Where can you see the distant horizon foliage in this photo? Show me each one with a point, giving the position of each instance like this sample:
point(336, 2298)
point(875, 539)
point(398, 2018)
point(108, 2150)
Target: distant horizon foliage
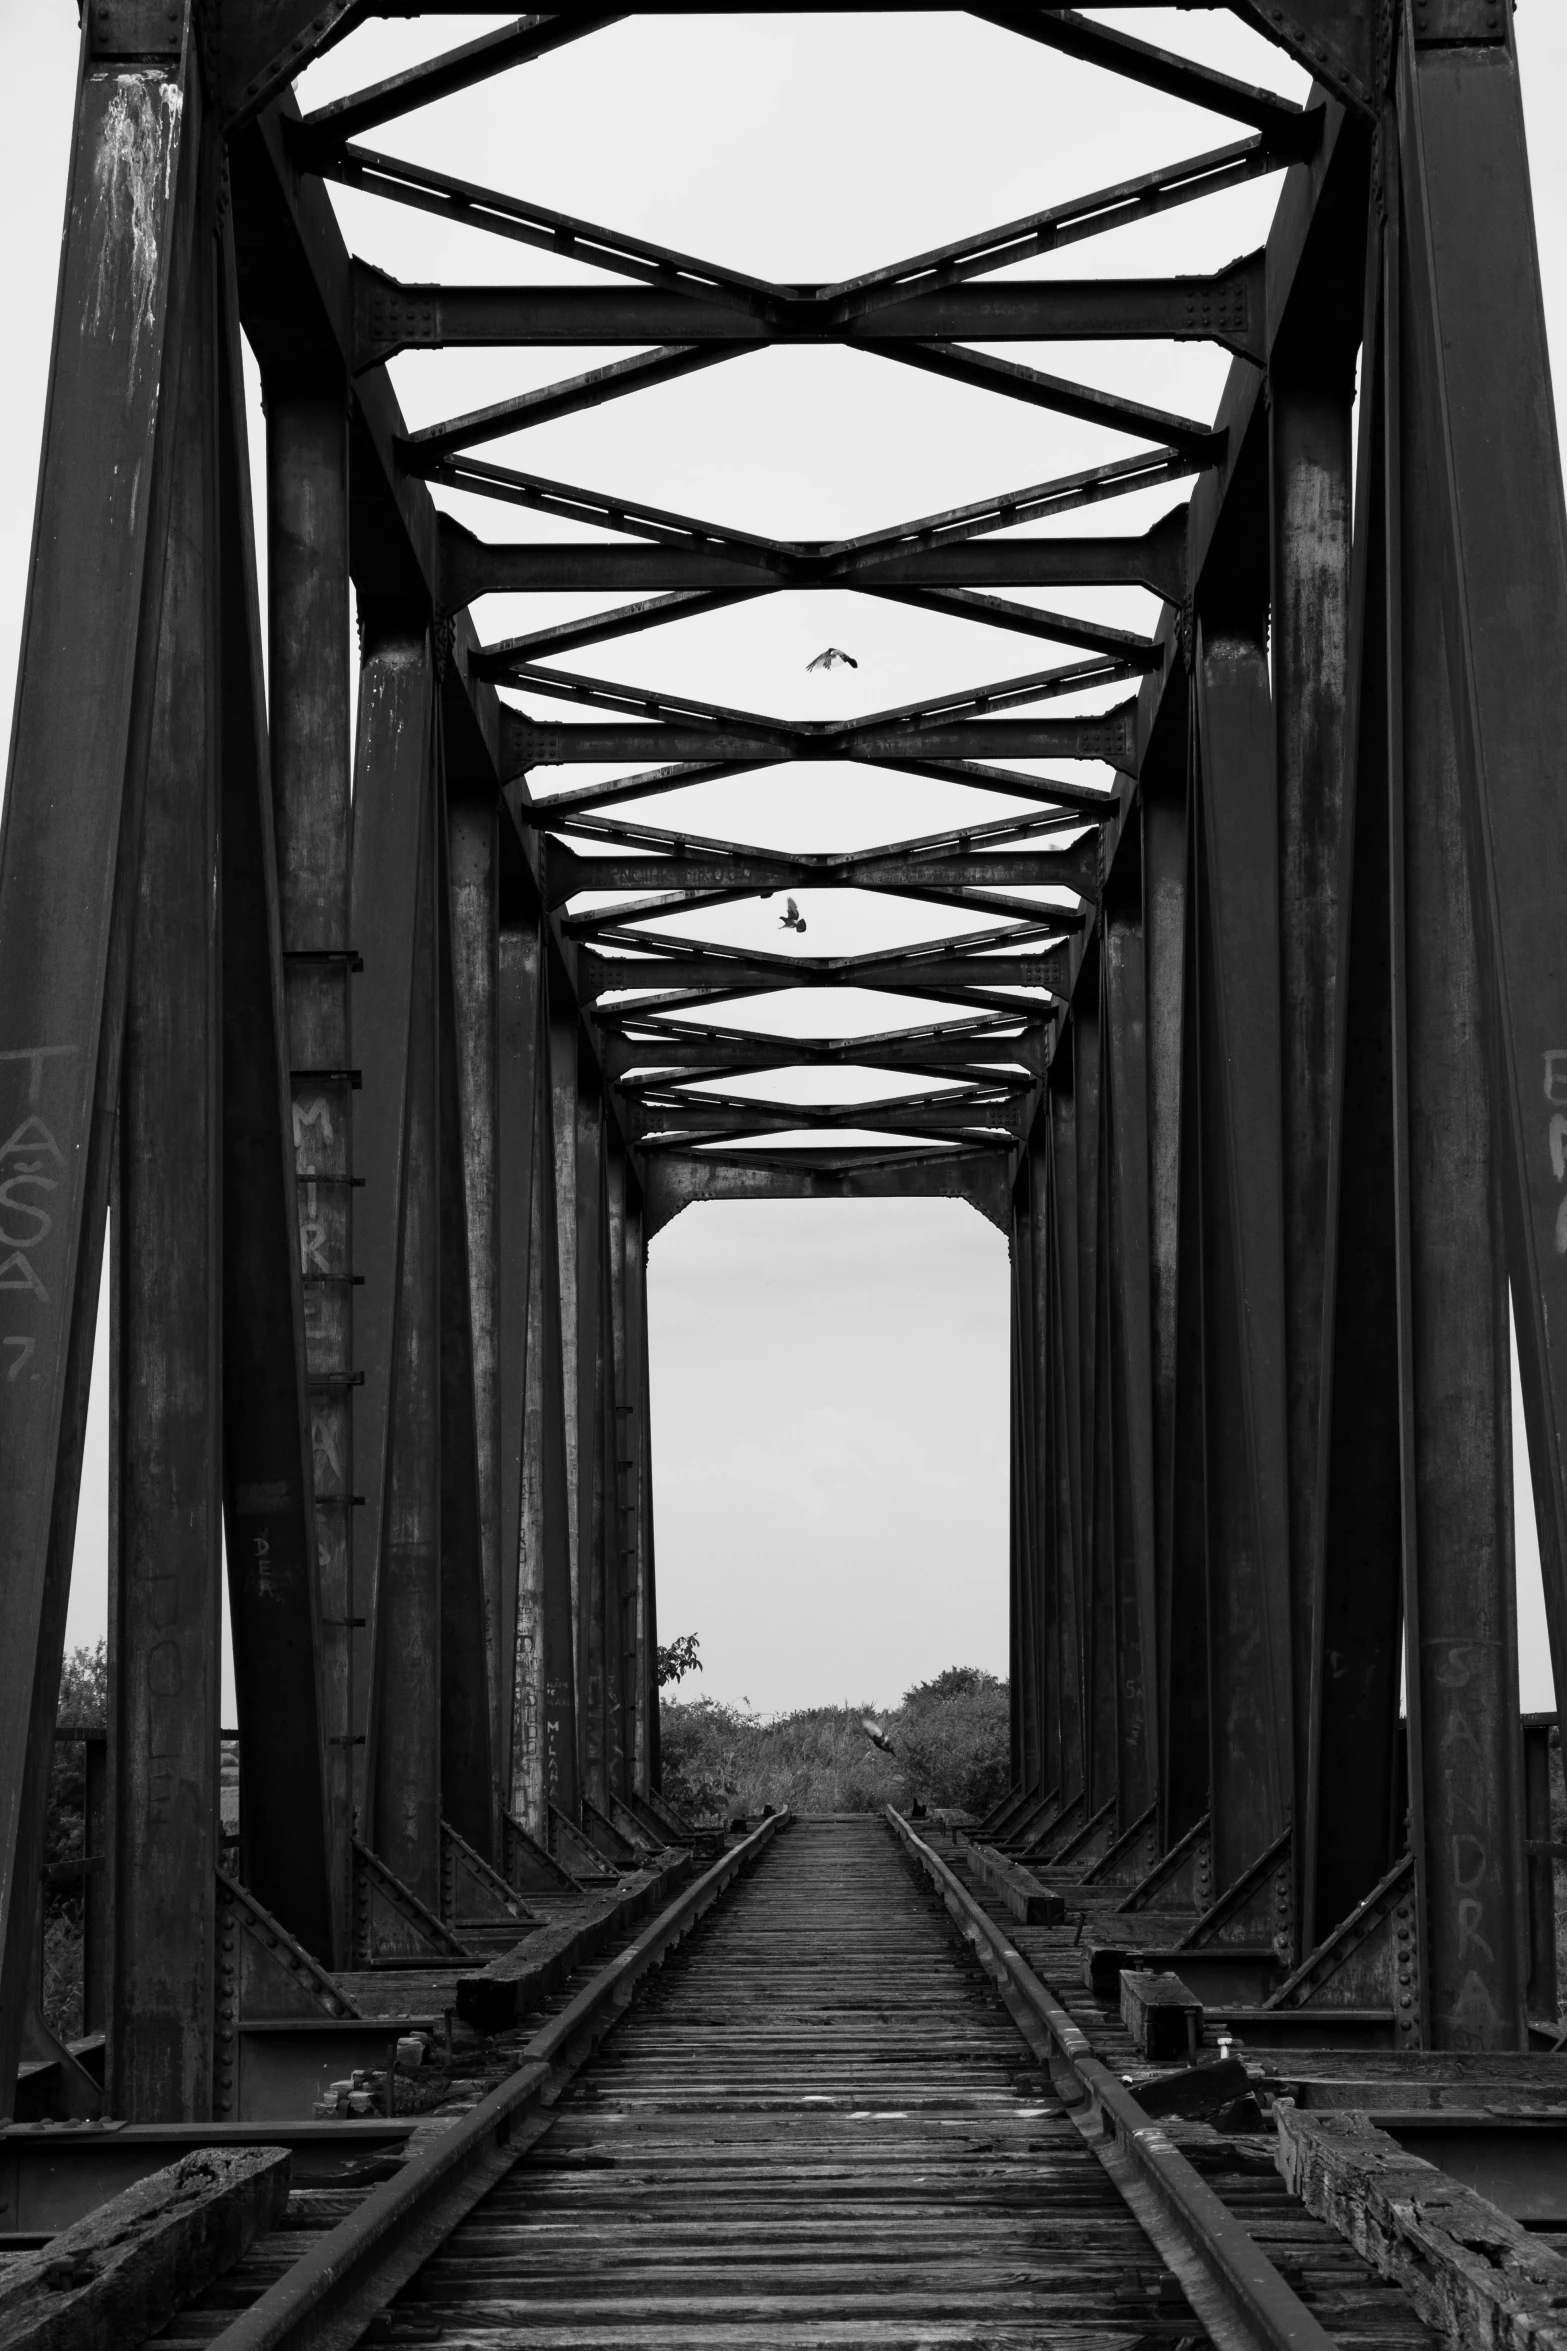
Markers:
point(950, 1739)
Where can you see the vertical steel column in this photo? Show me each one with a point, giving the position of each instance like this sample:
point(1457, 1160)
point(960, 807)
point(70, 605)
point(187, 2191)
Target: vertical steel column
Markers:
point(1188, 1757)
point(473, 849)
point(1024, 1766)
point(519, 1751)
point(563, 1119)
point(605, 1515)
point(1539, 1838)
point(397, 1157)
point(1131, 1332)
point(1478, 340)
point(1018, 1764)
point(1248, 1554)
point(544, 1746)
point(1065, 1274)
point(619, 1430)
point(588, 1407)
point(165, 1564)
point(1309, 419)
point(1180, 1658)
point(1351, 1810)
point(1105, 1707)
point(308, 623)
point(1459, 1597)
point(68, 857)
point(290, 1848)
point(1085, 1099)
point(1046, 1442)
point(95, 1889)
point(469, 1795)
point(405, 1726)
point(648, 1583)
point(643, 1685)
point(1097, 1491)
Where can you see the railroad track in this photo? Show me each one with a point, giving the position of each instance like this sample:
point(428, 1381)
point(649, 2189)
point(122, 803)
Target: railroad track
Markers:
point(820, 2125)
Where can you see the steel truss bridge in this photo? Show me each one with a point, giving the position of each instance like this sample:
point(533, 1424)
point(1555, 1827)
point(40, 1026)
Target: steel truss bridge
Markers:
point(1249, 1030)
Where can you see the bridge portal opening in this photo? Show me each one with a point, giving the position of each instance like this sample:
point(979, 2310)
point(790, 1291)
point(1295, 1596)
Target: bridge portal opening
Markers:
point(829, 1402)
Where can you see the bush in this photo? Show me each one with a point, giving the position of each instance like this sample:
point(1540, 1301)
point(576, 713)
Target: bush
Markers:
point(950, 1741)
point(956, 1733)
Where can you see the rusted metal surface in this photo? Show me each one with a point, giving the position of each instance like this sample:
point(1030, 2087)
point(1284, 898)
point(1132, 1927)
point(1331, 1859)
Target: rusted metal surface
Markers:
point(166, 1554)
point(307, 637)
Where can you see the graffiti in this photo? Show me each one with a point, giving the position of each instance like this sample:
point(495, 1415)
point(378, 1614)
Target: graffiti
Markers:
point(265, 1582)
point(24, 1158)
point(1556, 1134)
point(32, 1168)
point(17, 1274)
point(35, 1056)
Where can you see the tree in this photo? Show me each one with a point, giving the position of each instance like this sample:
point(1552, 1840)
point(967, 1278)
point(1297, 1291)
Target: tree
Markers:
point(677, 1659)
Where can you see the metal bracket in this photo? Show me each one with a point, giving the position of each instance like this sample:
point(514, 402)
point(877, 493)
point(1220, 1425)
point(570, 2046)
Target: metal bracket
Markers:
point(135, 28)
point(1438, 22)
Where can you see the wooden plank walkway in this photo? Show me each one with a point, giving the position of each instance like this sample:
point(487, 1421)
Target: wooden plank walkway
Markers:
point(820, 2127)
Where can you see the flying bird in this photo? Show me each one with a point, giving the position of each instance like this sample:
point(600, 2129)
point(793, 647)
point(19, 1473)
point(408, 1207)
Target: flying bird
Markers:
point(831, 659)
point(791, 918)
point(876, 1735)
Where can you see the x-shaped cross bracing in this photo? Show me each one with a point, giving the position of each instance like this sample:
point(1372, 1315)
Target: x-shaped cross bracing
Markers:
point(619, 884)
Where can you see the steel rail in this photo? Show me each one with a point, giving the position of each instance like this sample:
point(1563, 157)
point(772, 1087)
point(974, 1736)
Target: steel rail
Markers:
point(327, 2300)
point(1256, 2295)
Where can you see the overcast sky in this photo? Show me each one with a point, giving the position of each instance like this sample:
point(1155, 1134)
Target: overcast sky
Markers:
point(830, 1381)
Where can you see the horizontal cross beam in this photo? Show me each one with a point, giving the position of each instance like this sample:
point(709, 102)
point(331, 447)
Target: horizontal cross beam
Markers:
point(672, 708)
point(1062, 800)
point(322, 145)
point(526, 743)
point(610, 922)
point(640, 518)
point(925, 1116)
point(999, 1082)
point(1075, 869)
point(473, 567)
point(681, 1179)
point(609, 975)
point(659, 840)
point(962, 1053)
point(1226, 308)
point(628, 1027)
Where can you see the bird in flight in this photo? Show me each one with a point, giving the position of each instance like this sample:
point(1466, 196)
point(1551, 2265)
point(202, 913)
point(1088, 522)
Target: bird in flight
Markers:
point(876, 1735)
point(831, 660)
point(791, 918)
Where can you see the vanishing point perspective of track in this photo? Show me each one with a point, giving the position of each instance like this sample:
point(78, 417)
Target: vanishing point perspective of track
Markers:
point(820, 2122)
